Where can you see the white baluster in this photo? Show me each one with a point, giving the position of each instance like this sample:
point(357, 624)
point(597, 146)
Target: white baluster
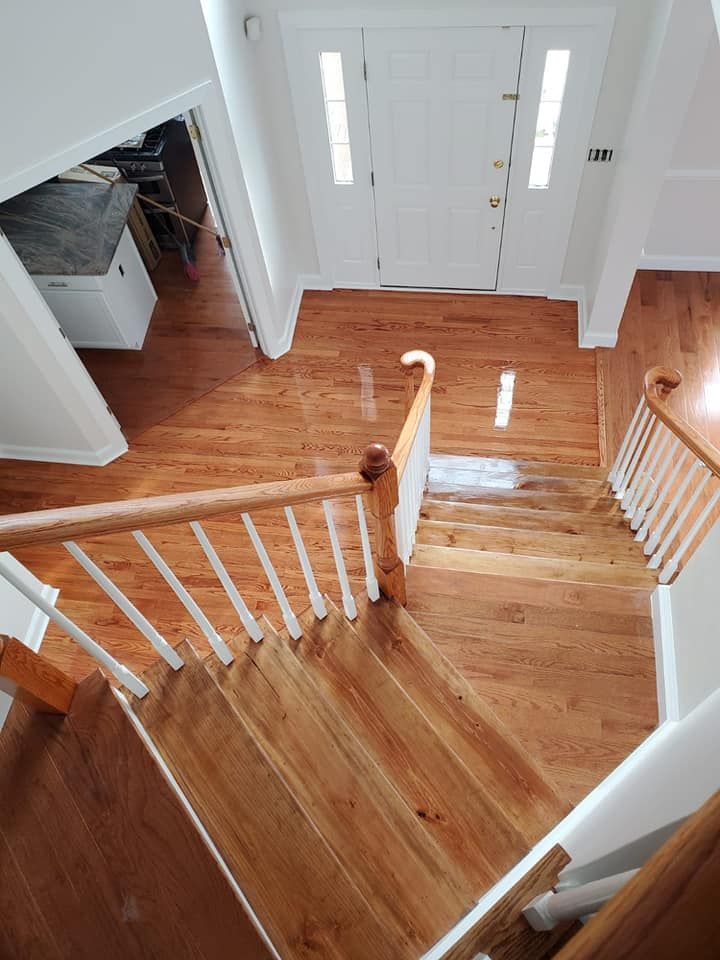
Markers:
point(663, 491)
point(218, 645)
point(671, 566)
point(373, 590)
point(241, 608)
point(638, 476)
point(626, 442)
point(657, 532)
point(289, 618)
point(347, 597)
point(657, 557)
point(121, 673)
point(129, 609)
point(645, 491)
point(630, 470)
point(316, 599)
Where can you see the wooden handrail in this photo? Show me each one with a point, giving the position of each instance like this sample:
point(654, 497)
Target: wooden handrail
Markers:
point(659, 384)
point(670, 908)
point(29, 677)
point(71, 523)
point(410, 360)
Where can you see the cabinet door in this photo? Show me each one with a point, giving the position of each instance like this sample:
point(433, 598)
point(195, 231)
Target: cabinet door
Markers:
point(129, 292)
point(85, 317)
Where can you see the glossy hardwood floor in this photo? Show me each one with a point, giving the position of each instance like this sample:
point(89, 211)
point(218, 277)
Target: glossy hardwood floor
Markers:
point(197, 339)
point(671, 319)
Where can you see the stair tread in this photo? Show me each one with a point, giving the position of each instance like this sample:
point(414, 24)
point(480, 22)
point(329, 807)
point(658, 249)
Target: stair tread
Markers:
point(448, 799)
point(595, 504)
point(508, 564)
point(380, 843)
point(517, 480)
point(545, 468)
point(294, 883)
point(620, 549)
point(461, 717)
point(522, 517)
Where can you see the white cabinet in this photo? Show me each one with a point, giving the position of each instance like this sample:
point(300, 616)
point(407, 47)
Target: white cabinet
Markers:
point(111, 311)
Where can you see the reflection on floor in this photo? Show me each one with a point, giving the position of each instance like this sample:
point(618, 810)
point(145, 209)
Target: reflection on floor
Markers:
point(671, 319)
point(197, 339)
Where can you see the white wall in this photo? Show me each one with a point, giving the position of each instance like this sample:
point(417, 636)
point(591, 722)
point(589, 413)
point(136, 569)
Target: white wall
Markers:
point(684, 231)
point(671, 778)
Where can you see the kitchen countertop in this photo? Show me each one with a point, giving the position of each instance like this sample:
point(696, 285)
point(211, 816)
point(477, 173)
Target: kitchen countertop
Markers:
point(67, 229)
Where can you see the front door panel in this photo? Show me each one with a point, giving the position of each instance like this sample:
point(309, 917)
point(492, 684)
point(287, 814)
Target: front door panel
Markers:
point(441, 136)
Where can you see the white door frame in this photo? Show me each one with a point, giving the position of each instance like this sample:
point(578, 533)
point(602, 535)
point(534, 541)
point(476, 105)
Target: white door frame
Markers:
point(599, 19)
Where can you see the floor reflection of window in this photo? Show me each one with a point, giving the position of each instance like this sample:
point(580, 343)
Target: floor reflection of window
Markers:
point(504, 399)
point(367, 392)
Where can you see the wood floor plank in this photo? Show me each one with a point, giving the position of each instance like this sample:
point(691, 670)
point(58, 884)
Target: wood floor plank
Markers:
point(503, 564)
point(181, 902)
point(464, 721)
point(24, 932)
point(260, 829)
point(436, 785)
point(397, 866)
point(609, 550)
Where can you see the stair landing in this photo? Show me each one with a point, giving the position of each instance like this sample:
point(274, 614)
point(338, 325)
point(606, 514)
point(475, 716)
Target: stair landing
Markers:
point(526, 577)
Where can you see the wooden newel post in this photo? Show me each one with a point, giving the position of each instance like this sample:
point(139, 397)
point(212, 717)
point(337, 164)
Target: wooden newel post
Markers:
point(377, 466)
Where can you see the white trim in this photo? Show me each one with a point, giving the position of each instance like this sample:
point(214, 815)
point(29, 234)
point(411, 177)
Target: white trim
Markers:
point(85, 458)
point(314, 281)
point(668, 261)
point(692, 174)
point(448, 17)
point(285, 340)
point(587, 341)
point(665, 660)
point(195, 819)
point(557, 835)
point(39, 621)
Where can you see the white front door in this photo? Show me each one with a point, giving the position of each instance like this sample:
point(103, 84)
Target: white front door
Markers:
point(441, 110)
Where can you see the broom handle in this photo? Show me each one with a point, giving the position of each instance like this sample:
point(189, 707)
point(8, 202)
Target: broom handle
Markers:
point(154, 203)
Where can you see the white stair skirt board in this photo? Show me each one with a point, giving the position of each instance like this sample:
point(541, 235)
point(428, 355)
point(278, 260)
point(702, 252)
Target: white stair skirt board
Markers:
point(665, 663)
point(197, 822)
point(557, 835)
point(21, 619)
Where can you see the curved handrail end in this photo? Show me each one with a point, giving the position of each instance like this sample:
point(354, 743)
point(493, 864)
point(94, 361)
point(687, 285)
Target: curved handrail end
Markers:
point(419, 358)
point(659, 382)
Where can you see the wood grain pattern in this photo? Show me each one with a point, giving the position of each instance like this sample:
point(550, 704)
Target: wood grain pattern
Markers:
point(668, 909)
point(447, 798)
point(101, 849)
point(379, 842)
point(29, 677)
point(197, 339)
point(262, 832)
point(503, 933)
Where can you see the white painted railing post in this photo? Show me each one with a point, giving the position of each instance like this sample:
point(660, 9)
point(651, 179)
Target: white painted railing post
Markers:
point(347, 597)
point(373, 590)
point(316, 599)
point(289, 618)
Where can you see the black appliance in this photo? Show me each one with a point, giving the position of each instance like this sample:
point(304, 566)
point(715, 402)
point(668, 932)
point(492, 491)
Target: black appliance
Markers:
point(163, 165)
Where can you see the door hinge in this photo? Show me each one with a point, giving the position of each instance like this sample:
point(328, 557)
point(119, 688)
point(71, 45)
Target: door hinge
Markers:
point(251, 326)
point(511, 96)
point(365, 69)
point(378, 262)
point(194, 131)
point(372, 178)
point(226, 242)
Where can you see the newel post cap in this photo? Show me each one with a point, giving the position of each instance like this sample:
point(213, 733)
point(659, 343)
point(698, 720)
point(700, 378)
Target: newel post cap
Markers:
point(376, 461)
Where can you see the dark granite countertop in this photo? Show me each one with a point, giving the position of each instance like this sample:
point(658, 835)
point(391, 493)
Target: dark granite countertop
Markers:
point(69, 229)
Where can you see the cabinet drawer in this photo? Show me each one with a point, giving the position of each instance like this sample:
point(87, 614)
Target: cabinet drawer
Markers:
point(47, 282)
point(85, 317)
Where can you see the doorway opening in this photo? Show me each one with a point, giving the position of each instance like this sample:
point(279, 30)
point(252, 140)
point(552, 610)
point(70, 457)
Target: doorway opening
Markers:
point(130, 253)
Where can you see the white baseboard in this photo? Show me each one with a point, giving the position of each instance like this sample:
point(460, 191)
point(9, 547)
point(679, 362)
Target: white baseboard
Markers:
point(652, 261)
point(587, 339)
point(315, 281)
point(558, 835)
point(665, 662)
point(83, 458)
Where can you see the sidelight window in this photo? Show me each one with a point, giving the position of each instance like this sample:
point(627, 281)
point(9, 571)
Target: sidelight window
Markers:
point(548, 118)
point(331, 71)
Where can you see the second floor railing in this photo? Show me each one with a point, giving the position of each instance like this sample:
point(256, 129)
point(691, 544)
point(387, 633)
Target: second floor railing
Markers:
point(665, 476)
point(389, 487)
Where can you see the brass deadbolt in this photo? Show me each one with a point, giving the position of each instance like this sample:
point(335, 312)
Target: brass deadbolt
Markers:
point(499, 164)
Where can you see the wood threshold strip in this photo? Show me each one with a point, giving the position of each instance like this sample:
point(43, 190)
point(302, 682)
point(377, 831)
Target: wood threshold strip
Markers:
point(404, 445)
point(29, 677)
point(71, 523)
point(659, 384)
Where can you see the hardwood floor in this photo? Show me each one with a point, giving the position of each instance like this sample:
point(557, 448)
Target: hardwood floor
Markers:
point(671, 319)
point(197, 339)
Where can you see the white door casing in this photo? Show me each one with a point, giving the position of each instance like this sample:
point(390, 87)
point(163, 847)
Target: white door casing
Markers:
point(442, 109)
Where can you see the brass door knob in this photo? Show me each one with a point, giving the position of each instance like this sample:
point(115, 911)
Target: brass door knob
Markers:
point(498, 164)
point(495, 201)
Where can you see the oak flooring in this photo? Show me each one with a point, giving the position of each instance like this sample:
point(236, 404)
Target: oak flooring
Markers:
point(196, 340)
